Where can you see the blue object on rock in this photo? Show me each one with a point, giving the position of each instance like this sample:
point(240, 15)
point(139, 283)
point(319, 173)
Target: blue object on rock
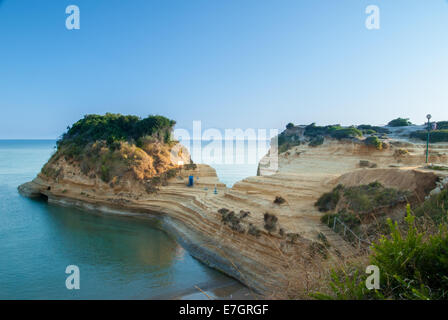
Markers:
point(190, 181)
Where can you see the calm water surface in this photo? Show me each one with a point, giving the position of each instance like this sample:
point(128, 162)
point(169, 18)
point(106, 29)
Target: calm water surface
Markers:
point(119, 257)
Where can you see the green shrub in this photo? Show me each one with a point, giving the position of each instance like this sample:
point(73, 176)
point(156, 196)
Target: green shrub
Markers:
point(434, 136)
point(400, 122)
point(335, 131)
point(348, 219)
point(328, 201)
point(105, 173)
point(288, 145)
point(374, 142)
point(368, 129)
point(367, 198)
point(316, 141)
point(113, 128)
point(290, 125)
point(313, 131)
point(345, 133)
point(438, 168)
point(286, 142)
point(412, 264)
point(436, 207)
point(442, 125)
point(361, 199)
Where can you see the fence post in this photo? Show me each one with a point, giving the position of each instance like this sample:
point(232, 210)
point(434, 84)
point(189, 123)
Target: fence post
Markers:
point(334, 223)
point(345, 229)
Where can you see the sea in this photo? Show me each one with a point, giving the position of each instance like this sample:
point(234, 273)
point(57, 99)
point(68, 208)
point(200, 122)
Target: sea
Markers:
point(117, 257)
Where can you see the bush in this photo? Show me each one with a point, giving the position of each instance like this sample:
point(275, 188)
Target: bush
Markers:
point(288, 145)
point(413, 265)
point(436, 207)
point(190, 166)
point(270, 222)
point(113, 128)
point(434, 136)
point(398, 153)
point(244, 214)
point(367, 164)
point(349, 219)
point(361, 199)
point(367, 128)
point(442, 125)
point(316, 141)
point(374, 142)
point(279, 200)
point(328, 201)
point(105, 173)
point(367, 198)
point(286, 142)
point(335, 131)
point(399, 122)
point(290, 125)
point(346, 133)
point(313, 131)
point(232, 220)
point(254, 231)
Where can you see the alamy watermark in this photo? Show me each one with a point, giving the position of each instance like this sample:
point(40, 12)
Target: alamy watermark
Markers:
point(373, 18)
point(373, 281)
point(73, 21)
point(229, 146)
point(73, 281)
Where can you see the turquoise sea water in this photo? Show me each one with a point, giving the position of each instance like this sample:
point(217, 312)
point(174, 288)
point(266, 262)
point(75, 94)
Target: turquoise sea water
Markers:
point(118, 257)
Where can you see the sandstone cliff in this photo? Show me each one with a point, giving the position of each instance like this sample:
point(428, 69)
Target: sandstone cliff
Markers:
point(281, 262)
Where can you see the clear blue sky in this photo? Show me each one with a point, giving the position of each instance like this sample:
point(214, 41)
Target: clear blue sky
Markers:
point(229, 63)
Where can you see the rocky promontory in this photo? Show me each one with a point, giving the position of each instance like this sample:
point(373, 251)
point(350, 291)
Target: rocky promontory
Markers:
point(266, 231)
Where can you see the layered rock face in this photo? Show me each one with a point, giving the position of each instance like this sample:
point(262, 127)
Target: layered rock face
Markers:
point(229, 229)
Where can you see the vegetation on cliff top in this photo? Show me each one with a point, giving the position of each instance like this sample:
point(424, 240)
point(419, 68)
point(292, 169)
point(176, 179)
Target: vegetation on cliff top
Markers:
point(314, 135)
point(334, 131)
point(111, 146)
point(114, 128)
point(358, 206)
point(434, 135)
point(400, 122)
point(361, 199)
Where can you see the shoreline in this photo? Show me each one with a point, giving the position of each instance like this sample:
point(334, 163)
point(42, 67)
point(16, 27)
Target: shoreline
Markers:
point(212, 290)
point(231, 289)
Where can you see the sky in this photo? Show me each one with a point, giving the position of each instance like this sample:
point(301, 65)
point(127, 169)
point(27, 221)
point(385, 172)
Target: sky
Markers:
point(228, 63)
